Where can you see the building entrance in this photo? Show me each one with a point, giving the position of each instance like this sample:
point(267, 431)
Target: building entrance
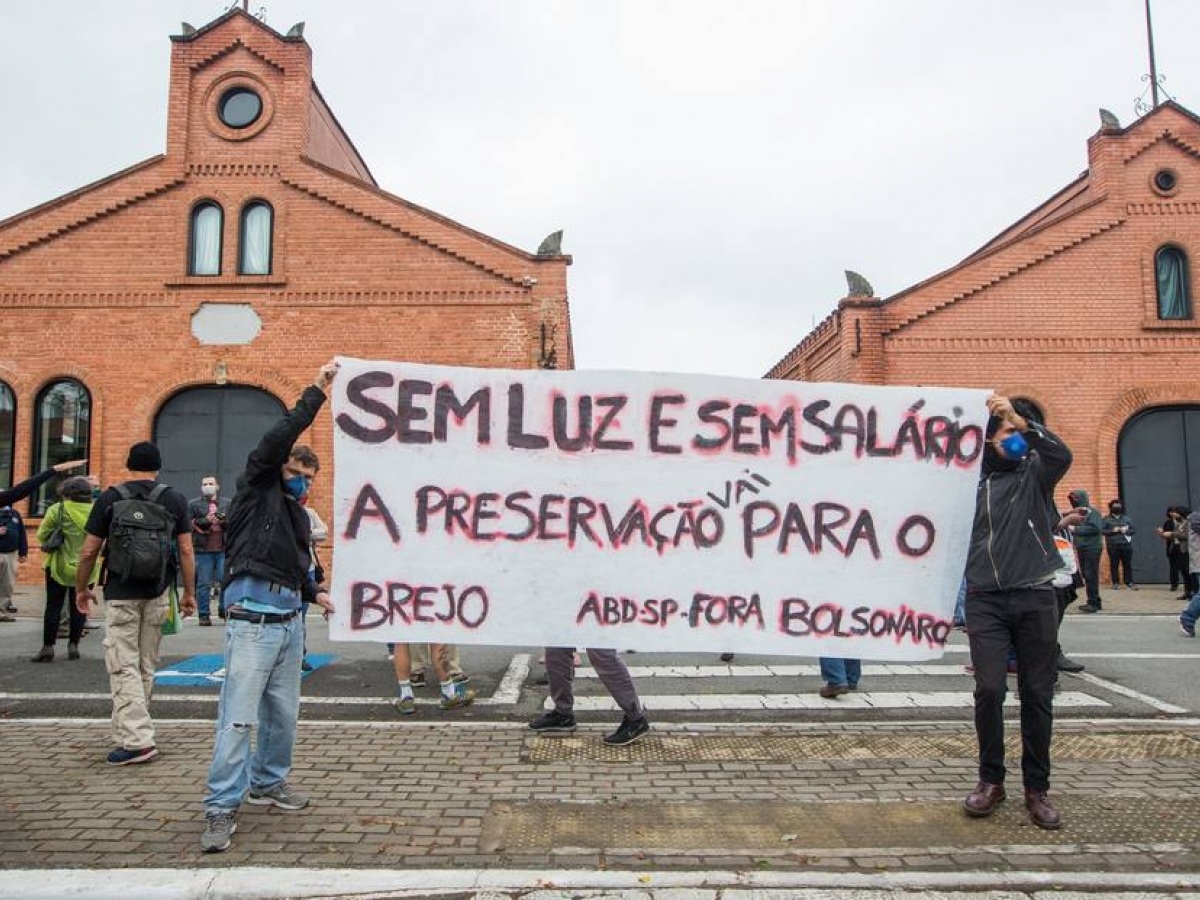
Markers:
point(1158, 453)
point(210, 430)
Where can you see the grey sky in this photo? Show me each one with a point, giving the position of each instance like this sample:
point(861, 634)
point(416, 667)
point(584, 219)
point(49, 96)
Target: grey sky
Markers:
point(715, 165)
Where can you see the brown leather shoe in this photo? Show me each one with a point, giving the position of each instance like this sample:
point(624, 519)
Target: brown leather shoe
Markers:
point(984, 799)
point(829, 691)
point(1041, 811)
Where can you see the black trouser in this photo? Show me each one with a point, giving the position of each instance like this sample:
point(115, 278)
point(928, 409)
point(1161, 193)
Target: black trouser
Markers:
point(1089, 568)
point(1063, 597)
point(1120, 556)
point(1178, 564)
point(1027, 621)
point(56, 595)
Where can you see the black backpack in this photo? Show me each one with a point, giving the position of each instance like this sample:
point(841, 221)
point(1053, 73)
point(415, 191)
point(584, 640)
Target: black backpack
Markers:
point(141, 538)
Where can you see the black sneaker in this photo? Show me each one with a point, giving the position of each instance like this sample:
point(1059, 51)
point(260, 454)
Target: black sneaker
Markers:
point(554, 722)
point(1066, 664)
point(726, 657)
point(417, 679)
point(628, 731)
point(123, 757)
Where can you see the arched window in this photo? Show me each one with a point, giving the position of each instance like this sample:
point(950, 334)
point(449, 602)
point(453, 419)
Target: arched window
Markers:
point(1172, 279)
point(254, 247)
point(8, 425)
point(62, 420)
point(204, 239)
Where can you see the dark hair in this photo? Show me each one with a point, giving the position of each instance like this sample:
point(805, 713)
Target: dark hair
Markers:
point(209, 475)
point(303, 454)
point(77, 487)
point(1029, 411)
point(1117, 502)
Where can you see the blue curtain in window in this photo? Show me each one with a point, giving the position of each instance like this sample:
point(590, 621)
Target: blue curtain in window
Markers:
point(1171, 275)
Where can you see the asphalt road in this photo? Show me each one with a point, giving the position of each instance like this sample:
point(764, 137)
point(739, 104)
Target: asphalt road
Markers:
point(1145, 667)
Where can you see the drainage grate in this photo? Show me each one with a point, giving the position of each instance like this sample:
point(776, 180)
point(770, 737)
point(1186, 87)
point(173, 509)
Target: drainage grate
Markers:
point(733, 826)
point(666, 748)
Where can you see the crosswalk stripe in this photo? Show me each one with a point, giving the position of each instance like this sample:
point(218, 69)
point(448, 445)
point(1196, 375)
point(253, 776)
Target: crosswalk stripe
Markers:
point(787, 671)
point(853, 700)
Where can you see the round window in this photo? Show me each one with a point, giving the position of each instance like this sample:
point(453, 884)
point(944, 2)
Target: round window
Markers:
point(239, 107)
point(1165, 181)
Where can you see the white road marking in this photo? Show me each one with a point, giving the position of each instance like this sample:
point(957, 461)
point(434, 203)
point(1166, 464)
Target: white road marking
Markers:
point(786, 671)
point(507, 693)
point(853, 700)
point(1161, 705)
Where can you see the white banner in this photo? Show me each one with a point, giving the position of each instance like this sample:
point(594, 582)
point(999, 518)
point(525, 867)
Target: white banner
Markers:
point(649, 511)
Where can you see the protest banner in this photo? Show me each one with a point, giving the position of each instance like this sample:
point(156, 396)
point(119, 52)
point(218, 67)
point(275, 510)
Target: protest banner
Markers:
point(650, 511)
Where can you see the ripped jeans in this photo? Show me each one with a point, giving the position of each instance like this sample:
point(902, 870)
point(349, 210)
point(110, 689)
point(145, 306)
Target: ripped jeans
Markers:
point(261, 694)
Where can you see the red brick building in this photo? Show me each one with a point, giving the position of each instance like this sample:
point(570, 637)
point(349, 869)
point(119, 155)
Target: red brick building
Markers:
point(1086, 306)
point(190, 296)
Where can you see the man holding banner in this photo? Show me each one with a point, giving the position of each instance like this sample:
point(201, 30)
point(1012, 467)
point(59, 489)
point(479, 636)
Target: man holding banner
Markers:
point(1011, 603)
point(266, 582)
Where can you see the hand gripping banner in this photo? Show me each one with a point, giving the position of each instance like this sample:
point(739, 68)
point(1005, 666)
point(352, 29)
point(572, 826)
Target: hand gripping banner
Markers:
point(650, 511)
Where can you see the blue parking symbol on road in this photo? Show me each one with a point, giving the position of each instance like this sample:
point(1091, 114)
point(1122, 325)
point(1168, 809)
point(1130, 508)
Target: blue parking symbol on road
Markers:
point(208, 670)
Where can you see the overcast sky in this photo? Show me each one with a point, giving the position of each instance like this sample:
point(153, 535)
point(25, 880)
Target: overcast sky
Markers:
point(715, 165)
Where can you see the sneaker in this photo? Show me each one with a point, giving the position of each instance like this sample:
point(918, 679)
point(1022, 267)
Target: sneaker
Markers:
point(460, 678)
point(726, 657)
point(206, 621)
point(305, 665)
point(1066, 664)
point(461, 697)
point(406, 706)
point(1132, 587)
point(218, 831)
point(1188, 630)
point(9, 608)
point(1088, 608)
point(554, 722)
point(280, 795)
point(628, 731)
point(417, 679)
point(829, 691)
point(123, 757)
point(4, 617)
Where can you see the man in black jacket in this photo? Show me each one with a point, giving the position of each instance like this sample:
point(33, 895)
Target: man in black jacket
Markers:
point(1011, 603)
point(266, 582)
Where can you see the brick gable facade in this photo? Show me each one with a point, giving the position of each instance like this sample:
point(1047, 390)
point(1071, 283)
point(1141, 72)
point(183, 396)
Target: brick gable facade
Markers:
point(95, 286)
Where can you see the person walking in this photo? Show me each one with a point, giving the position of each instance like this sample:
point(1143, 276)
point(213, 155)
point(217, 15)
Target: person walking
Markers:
point(613, 674)
point(1118, 543)
point(267, 578)
point(61, 535)
point(14, 548)
point(1189, 530)
point(143, 527)
point(1088, 543)
point(1011, 564)
point(208, 513)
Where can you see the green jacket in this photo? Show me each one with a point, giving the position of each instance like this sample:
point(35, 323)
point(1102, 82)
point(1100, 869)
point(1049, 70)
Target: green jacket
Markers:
point(64, 562)
point(1087, 534)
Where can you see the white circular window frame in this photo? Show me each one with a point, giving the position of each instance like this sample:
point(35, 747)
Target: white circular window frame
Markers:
point(212, 102)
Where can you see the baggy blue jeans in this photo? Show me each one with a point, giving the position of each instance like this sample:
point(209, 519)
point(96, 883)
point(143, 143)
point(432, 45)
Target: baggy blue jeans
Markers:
point(840, 671)
point(261, 691)
point(210, 569)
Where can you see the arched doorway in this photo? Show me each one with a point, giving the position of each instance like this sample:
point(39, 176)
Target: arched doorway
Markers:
point(211, 430)
point(1158, 455)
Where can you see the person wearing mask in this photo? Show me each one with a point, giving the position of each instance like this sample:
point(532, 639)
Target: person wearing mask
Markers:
point(1177, 556)
point(1118, 543)
point(1189, 530)
point(68, 519)
point(14, 548)
point(1011, 565)
point(142, 525)
point(1088, 543)
point(267, 578)
point(208, 513)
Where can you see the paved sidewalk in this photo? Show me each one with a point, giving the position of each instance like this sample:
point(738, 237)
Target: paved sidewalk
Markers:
point(850, 799)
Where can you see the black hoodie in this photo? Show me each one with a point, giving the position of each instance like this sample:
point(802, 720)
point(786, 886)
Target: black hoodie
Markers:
point(1012, 541)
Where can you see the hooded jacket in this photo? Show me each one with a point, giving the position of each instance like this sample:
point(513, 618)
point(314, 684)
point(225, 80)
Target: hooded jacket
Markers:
point(267, 533)
point(1012, 540)
point(1087, 533)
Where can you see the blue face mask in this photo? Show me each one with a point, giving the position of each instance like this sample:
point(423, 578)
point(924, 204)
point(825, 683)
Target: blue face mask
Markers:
point(297, 486)
point(1015, 446)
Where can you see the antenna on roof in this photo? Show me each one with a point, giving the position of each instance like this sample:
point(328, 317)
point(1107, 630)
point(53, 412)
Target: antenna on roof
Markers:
point(1140, 106)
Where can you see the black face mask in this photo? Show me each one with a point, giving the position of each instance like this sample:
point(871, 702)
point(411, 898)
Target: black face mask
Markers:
point(993, 461)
